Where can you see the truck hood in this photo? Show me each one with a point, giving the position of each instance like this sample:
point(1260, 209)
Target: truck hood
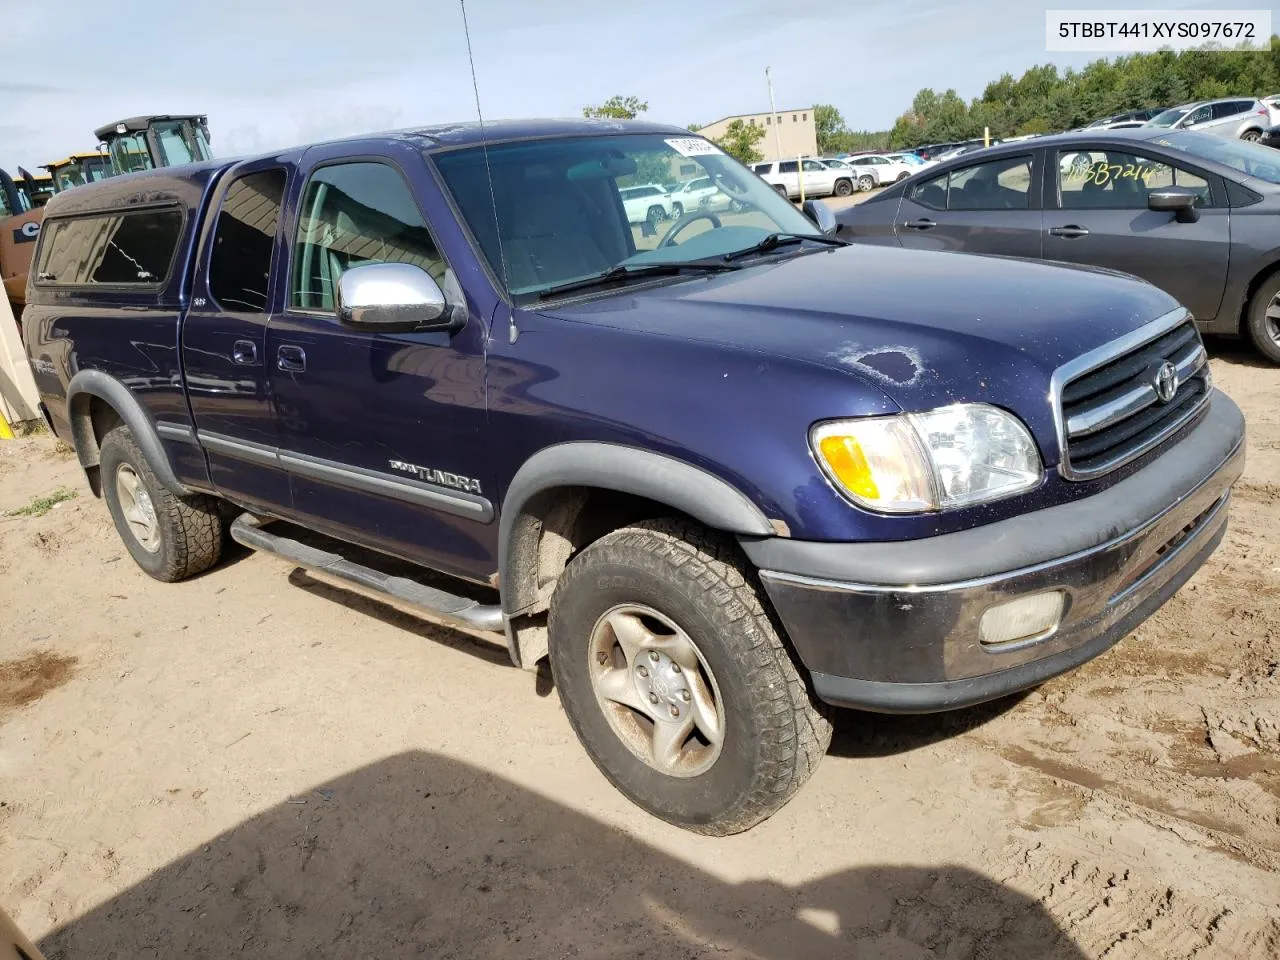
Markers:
point(925, 328)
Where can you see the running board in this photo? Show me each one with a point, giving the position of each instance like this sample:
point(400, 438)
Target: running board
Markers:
point(400, 592)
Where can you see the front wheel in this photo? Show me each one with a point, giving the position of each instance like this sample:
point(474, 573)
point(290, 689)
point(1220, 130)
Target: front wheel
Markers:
point(676, 682)
point(843, 188)
point(677, 210)
point(1263, 318)
point(902, 176)
point(655, 216)
point(170, 537)
point(866, 182)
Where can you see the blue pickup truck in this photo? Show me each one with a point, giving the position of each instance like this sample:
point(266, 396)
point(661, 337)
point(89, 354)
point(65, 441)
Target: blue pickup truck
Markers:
point(722, 473)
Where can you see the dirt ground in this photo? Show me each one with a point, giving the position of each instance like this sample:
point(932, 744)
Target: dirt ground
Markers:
point(254, 763)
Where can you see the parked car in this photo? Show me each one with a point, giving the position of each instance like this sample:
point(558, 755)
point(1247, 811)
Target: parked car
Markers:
point(887, 170)
point(1194, 214)
point(700, 193)
point(911, 160)
point(864, 177)
point(1271, 137)
point(1235, 118)
point(714, 481)
point(1128, 116)
point(819, 179)
point(1272, 103)
point(650, 203)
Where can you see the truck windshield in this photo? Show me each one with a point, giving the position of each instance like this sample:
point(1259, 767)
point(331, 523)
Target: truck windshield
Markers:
point(567, 209)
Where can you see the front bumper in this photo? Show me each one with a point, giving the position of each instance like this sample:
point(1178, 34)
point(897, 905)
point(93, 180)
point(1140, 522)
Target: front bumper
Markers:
point(893, 627)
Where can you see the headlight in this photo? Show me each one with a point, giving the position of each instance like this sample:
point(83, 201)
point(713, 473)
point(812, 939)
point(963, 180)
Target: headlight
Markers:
point(911, 463)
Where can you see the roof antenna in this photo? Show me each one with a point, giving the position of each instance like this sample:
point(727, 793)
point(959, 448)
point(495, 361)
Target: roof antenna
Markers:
point(513, 333)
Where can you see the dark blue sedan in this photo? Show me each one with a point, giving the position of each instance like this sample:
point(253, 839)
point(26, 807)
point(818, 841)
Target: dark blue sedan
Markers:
point(1193, 214)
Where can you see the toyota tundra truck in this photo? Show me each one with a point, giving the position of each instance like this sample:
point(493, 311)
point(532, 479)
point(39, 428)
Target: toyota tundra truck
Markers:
point(721, 476)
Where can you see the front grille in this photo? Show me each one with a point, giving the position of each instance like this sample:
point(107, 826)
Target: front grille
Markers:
point(1113, 412)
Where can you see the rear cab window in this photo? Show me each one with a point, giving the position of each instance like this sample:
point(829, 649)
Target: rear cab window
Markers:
point(133, 248)
point(244, 241)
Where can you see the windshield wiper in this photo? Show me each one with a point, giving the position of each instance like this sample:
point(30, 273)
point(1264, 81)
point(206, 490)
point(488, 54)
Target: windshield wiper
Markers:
point(775, 240)
point(623, 272)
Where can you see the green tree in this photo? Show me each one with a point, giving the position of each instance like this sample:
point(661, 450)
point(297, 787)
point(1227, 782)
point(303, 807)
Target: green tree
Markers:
point(617, 108)
point(831, 128)
point(740, 139)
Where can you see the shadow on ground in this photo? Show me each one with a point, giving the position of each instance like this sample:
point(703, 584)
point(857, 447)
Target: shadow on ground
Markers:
point(422, 856)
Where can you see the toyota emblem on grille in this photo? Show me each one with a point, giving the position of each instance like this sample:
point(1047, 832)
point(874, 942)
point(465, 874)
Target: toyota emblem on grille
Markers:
point(1166, 382)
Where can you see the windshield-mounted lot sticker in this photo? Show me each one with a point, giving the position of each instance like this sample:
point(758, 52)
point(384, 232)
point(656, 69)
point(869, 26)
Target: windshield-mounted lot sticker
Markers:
point(693, 147)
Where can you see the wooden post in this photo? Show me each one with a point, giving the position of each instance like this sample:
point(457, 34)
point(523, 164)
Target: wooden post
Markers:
point(19, 401)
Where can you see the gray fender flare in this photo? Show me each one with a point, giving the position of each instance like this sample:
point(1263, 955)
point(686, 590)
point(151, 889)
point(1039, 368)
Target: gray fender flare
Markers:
point(95, 383)
point(609, 466)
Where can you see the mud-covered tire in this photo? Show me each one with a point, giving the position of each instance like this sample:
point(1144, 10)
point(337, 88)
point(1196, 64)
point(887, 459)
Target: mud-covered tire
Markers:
point(1264, 331)
point(774, 731)
point(189, 530)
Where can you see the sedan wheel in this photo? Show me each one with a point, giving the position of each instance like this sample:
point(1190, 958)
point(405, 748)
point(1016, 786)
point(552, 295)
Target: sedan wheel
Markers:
point(1263, 318)
point(1251, 136)
point(866, 182)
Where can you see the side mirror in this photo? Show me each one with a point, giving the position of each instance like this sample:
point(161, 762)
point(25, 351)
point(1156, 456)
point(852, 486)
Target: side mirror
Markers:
point(1177, 200)
point(821, 214)
point(393, 297)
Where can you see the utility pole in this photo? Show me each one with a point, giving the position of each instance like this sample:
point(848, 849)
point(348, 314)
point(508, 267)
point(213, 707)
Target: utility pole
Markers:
point(777, 137)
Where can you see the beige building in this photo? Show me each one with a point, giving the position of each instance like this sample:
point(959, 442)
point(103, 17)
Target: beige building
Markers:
point(787, 133)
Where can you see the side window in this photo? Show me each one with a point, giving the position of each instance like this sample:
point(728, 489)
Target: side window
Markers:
point(813, 165)
point(129, 153)
point(352, 214)
point(1200, 115)
point(762, 167)
point(240, 265)
point(931, 193)
point(1003, 184)
point(119, 248)
point(1095, 179)
point(788, 166)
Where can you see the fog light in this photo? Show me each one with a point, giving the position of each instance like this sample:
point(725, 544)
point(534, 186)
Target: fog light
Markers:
point(1023, 618)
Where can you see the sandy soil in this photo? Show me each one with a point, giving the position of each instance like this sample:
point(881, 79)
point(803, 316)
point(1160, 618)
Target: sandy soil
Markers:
point(254, 763)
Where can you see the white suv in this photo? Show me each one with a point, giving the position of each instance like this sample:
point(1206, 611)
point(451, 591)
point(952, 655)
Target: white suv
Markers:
point(650, 203)
point(819, 179)
point(887, 169)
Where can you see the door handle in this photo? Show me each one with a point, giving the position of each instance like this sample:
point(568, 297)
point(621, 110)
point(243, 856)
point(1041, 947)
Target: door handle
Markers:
point(924, 223)
point(1069, 232)
point(244, 352)
point(291, 359)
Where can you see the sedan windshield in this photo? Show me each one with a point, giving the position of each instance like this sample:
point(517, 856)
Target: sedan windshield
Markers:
point(1251, 159)
point(547, 213)
point(1168, 118)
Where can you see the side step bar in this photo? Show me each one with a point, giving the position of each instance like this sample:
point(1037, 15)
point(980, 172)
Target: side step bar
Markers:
point(399, 592)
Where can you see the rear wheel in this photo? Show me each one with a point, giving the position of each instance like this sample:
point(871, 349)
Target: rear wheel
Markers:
point(1252, 136)
point(1263, 318)
point(676, 681)
point(656, 216)
point(169, 537)
point(844, 188)
point(780, 188)
point(677, 210)
point(866, 182)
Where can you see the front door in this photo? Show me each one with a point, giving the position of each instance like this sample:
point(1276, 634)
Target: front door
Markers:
point(985, 207)
point(383, 434)
point(1099, 216)
point(224, 338)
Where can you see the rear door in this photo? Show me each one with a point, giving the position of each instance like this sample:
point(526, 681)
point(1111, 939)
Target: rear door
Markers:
point(788, 176)
point(987, 207)
point(234, 298)
point(1098, 215)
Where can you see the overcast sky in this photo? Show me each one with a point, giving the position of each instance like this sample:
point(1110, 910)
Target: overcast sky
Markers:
point(272, 73)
